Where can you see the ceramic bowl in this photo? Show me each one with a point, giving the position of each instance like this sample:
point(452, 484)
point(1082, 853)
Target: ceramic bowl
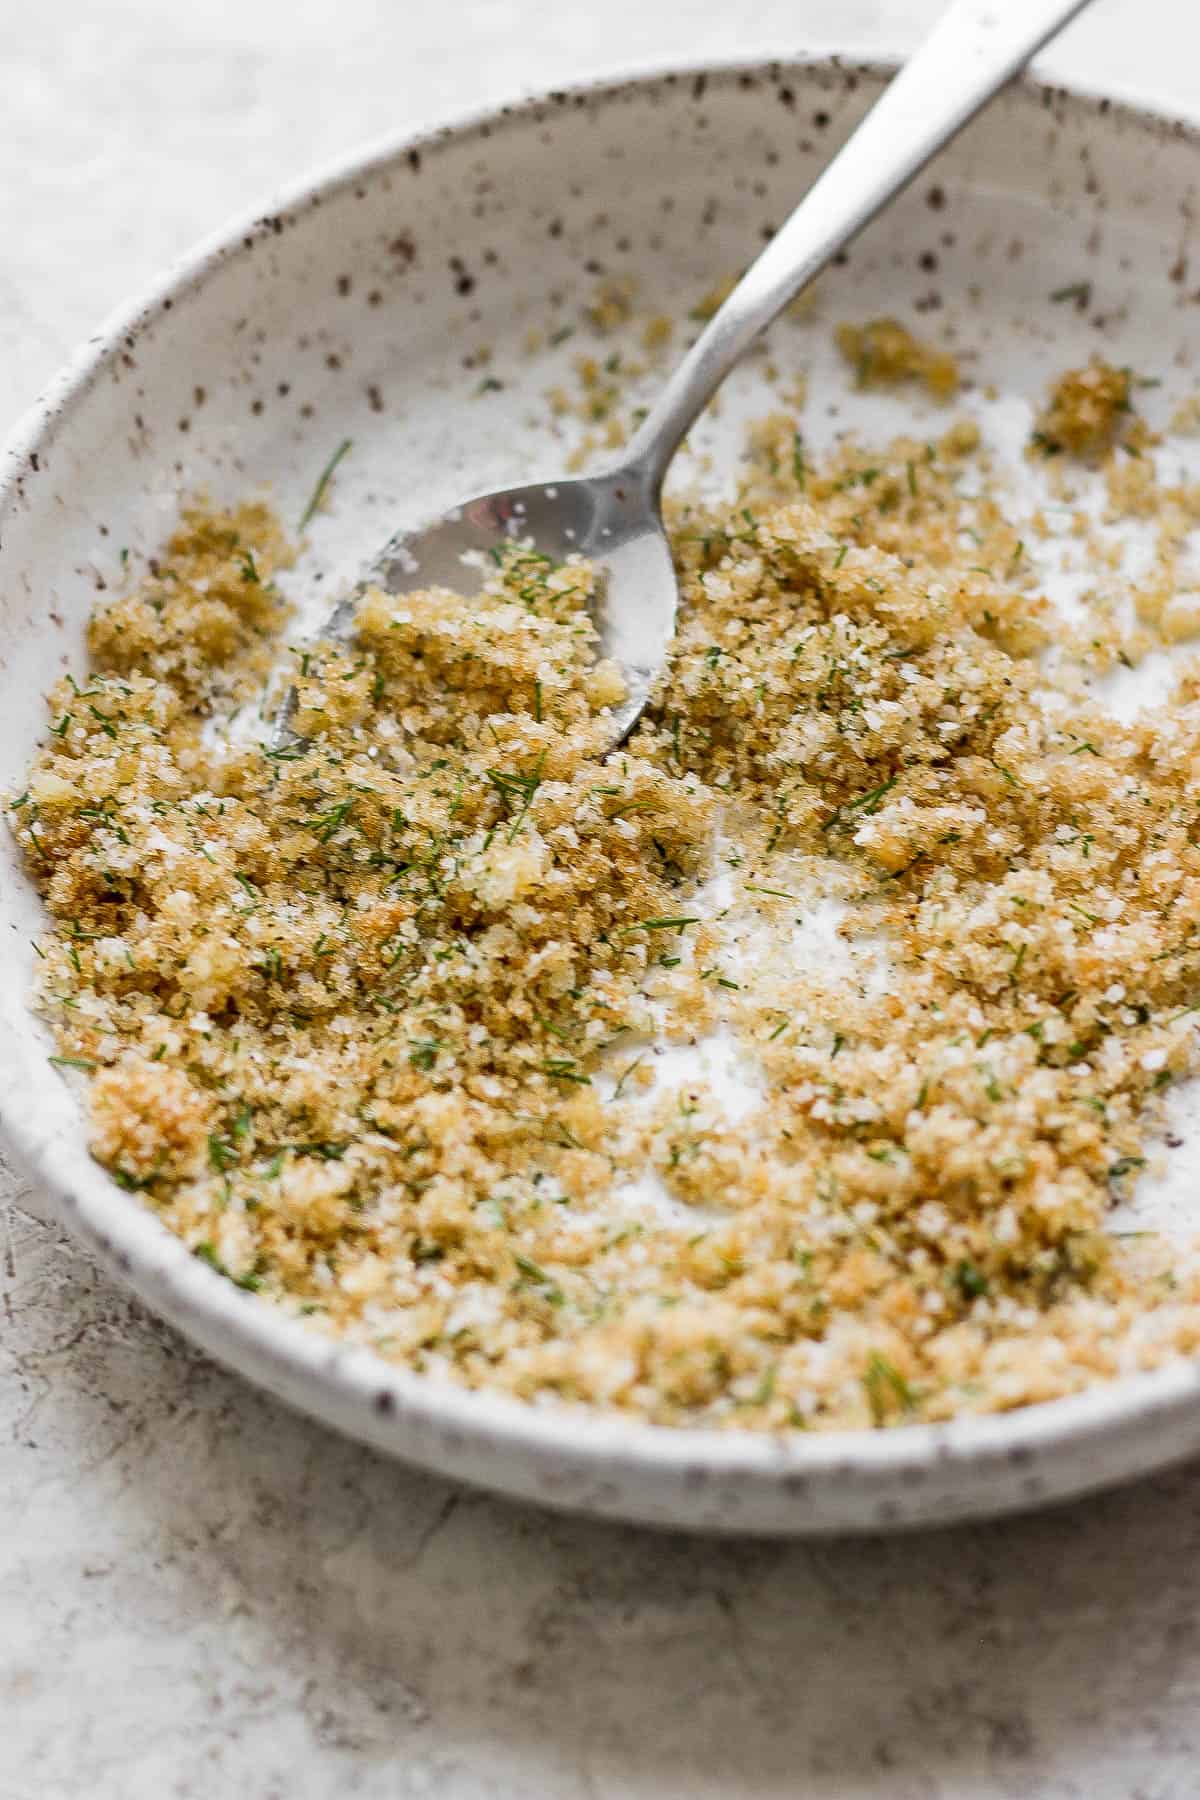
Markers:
point(416, 301)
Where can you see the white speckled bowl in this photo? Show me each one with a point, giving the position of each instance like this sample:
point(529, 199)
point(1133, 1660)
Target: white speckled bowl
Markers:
point(357, 308)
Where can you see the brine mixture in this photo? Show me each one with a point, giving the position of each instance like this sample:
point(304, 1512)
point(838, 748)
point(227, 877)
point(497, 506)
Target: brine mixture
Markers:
point(778, 1070)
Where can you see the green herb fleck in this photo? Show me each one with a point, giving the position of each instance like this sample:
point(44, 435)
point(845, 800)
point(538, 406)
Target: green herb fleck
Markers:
point(969, 1282)
point(565, 1068)
point(323, 480)
point(887, 1390)
point(1079, 291)
point(535, 1273)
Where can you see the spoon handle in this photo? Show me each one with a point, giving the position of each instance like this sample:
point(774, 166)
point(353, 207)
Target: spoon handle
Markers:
point(976, 46)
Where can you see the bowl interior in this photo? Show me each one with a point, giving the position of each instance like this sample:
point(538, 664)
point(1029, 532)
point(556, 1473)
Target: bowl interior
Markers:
point(427, 304)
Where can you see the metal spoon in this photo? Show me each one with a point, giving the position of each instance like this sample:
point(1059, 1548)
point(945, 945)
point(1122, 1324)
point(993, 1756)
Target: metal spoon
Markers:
point(614, 518)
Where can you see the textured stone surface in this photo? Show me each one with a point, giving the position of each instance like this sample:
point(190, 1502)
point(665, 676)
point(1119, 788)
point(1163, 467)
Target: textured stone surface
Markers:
point(201, 1595)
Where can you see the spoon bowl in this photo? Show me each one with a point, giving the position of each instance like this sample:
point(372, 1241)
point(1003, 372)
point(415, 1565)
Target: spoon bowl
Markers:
point(612, 520)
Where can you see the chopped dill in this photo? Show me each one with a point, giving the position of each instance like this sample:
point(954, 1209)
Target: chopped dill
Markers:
point(323, 480)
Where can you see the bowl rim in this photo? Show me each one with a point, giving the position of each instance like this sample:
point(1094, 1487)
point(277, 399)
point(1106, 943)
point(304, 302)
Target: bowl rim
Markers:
point(352, 1388)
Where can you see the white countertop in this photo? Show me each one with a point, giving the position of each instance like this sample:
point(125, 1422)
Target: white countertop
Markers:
point(201, 1595)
